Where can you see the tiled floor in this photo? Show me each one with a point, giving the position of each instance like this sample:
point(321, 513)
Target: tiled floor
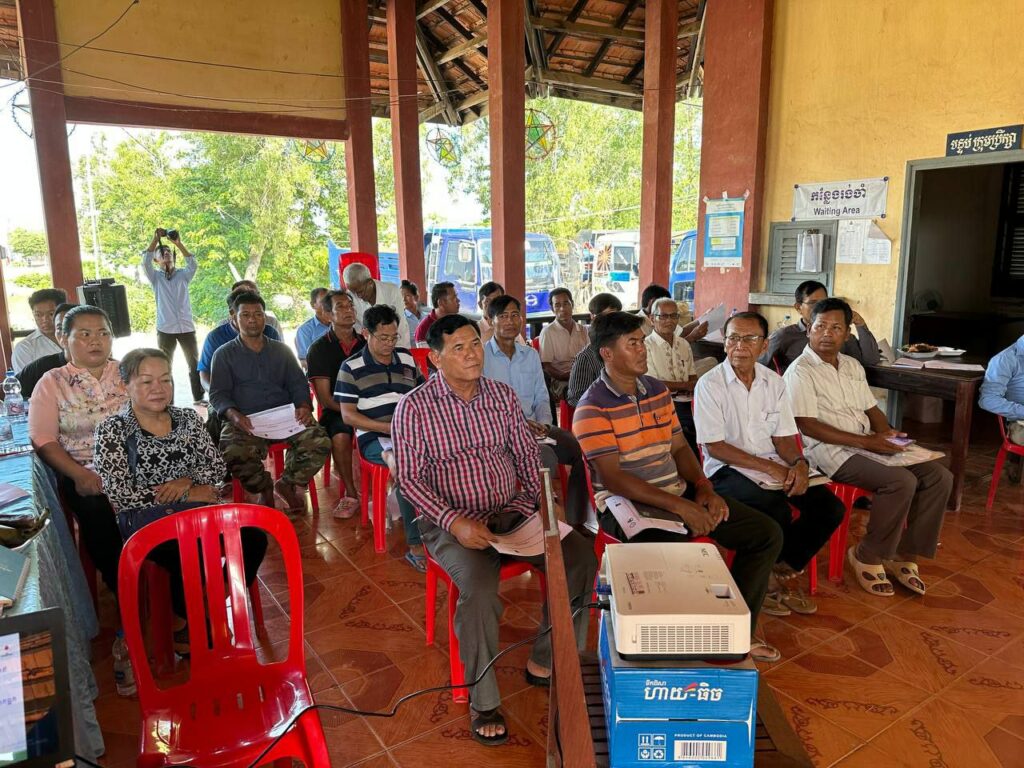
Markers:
point(936, 682)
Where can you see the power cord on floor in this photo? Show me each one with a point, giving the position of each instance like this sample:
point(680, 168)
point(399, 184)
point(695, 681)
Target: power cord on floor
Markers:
point(602, 604)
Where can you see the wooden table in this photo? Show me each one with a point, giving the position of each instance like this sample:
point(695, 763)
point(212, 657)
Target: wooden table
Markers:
point(959, 386)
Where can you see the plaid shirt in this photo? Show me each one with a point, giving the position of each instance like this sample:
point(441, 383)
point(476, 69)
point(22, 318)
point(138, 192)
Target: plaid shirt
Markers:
point(472, 459)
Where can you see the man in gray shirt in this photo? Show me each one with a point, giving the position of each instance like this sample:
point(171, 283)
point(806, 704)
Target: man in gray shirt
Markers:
point(174, 324)
point(786, 344)
point(252, 373)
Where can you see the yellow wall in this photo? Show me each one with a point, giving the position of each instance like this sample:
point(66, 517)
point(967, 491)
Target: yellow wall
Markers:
point(860, 87)
point(296, 35)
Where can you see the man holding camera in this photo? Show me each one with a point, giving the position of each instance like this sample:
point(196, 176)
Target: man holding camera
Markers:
point(174, 324)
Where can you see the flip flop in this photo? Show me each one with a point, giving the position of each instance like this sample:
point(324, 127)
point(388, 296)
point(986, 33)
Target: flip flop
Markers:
point(478, 720)
point(761, 651)
point(869, 576)
point(537, 680)
point(419, 562)
point(906, 573)
point(346, 507)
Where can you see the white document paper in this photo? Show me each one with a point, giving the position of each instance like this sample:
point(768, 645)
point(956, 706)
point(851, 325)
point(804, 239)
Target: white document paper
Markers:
point(13, 739)
point(808, 252)
point(942, 365)
point(276, 423)
point(681, 398)
point(715, 318)
point(527, 539)
point(878, 247)
point(769, 483)
point(908, 362)
point(386, 444)
point(888, 356)
point(10, 494)
point(914, 454)
point(850, 240)
point(632, 522)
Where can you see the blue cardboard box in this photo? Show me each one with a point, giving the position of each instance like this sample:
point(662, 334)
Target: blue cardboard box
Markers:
point(677, 714)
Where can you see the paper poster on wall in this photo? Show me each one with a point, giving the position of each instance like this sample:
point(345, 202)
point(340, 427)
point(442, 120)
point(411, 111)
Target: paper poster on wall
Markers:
point(723, 233)
point(850, 240)
point(854, 199)
point(13, 741)
point(878, 247)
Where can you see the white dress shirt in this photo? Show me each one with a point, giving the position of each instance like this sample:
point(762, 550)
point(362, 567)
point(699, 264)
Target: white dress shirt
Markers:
point(838, 398)
point(32, 347)
point(726, 411)
point(391, 295)
point(669, 362)
point(559, 346)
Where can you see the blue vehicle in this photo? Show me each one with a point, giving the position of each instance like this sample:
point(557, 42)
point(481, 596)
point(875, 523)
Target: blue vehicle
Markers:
point(463, 257)
point(387, 260)
point(683, 272)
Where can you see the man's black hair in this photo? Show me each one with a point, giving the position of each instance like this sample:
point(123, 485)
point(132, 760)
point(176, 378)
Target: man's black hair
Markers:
point(488, 288)
point(247, 297)
point(63, 308)
point(652, 292)
point(446, 326)
point(502, 303)
point(316, 292)
point(56, 295)
point(327, 302)
point(603, 302)
point(606, 329)
point(832, 305)
point(411, 287)
point(378, 315)
point(806, 288)
point(237, 284)
point(438, 292)
point(762, 321)
point(559, 292)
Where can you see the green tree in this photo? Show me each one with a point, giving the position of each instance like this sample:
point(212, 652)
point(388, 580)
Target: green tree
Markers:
point(29, 243)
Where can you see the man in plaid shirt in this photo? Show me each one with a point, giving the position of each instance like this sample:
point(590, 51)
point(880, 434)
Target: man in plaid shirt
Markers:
point(469, 464)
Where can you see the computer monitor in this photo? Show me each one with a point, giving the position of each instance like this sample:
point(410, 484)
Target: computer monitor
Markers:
point(35, 694)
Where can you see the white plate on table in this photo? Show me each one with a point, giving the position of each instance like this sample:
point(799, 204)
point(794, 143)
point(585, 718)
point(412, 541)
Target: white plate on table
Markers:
point(951, 352)
point(918, 355)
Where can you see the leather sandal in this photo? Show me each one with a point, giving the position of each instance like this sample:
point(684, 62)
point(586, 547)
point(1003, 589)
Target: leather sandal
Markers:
point(478, 720)
point(871, 578)
point(906, 573)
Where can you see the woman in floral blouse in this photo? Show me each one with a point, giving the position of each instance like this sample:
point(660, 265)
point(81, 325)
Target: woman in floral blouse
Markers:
point(151, 453)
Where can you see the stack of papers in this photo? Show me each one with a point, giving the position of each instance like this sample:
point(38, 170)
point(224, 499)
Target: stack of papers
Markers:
point(276, 423)
point(715, 318)
point(914, 454)
point(632, 522)
point(769, 483)
point(527, 539)
point(937, 365)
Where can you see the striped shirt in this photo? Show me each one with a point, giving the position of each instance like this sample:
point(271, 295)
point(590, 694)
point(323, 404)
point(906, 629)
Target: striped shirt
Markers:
point(375, 388)
point(585, 369)
point(465, 459)
point(636, 428)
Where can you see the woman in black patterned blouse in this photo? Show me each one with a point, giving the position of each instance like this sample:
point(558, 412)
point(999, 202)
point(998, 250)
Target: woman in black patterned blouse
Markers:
point(173, 460)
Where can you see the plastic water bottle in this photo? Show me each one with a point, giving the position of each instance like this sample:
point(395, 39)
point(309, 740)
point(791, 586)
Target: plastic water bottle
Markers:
point(6, 431)
point(124, 675)
point(12, 398)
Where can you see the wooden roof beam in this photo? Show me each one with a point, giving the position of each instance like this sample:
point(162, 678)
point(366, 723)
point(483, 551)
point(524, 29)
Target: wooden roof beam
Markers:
point(435, 78)
point(607, 43)
point(556, 77)
point(574, 14)
point(535, 44)
point(427, 7)
point(599, 31)
point(462, 48)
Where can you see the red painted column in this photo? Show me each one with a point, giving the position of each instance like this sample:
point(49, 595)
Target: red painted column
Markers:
point(38, 29)
point(362, 193)
point(405, 138)
point(506, 104)
point(5, 325)
point(660, 30)
point(737, 66)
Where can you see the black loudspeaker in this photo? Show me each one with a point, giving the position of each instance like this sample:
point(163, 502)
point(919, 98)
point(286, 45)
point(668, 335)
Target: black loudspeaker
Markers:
point(112, 299)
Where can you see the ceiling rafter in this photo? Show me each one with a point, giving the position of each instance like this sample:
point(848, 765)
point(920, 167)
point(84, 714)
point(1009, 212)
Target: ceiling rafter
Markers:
point(606, 44)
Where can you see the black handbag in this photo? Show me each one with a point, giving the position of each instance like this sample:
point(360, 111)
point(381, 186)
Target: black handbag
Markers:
point(131, 520)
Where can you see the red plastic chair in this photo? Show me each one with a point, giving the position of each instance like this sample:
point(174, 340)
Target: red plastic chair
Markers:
point(422, 357)
point(327, 461)
point(358, 257)
point(848, 494)
point(276, 452)
point(535, 343)
point(565, 414)
point(436, 573)
point(997, 471)
point(374, 477)
point(232, 706)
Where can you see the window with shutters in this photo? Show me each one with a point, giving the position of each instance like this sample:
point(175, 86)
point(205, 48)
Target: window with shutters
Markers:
point(783, 277)
point(1008, 269)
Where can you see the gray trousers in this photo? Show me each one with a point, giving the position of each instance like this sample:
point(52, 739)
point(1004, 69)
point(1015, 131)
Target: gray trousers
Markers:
point(566, 450)
point(478, 612)
point(915, 496)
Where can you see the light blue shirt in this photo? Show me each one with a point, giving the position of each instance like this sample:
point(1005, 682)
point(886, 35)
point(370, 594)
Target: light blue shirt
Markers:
point(414, 321)
point(307, 333)
point(1002, 391)
point(524, 374)
point(173, 305)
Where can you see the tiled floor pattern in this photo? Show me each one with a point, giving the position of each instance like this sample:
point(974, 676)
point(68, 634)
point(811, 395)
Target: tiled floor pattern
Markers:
point(936, 682)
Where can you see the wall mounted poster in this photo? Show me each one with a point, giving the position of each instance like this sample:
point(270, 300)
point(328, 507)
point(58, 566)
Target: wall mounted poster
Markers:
point(723, 233)
point(855, 199)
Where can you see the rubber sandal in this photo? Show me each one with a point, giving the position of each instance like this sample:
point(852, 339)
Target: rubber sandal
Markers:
point(761, 651)
point(798, 602)
point(540, 682)
point(773, 606)
point(869, 576)
point(906, 573)
point(419, 562)
point(346, 507)
point(478, 720)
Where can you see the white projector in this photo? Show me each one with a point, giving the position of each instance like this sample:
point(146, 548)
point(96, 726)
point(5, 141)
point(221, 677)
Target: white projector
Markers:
point(674, 601)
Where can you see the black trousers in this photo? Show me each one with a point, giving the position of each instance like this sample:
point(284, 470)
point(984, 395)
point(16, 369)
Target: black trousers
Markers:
point(168, 341)
point(97, 526)
point(167, 556)
point(755, 538)
point(684, 412)
point(820, 514)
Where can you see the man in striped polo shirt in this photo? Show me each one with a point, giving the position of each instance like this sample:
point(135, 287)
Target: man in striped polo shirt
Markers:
point(469, 464)
point(628, 429)
point(369, 387)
